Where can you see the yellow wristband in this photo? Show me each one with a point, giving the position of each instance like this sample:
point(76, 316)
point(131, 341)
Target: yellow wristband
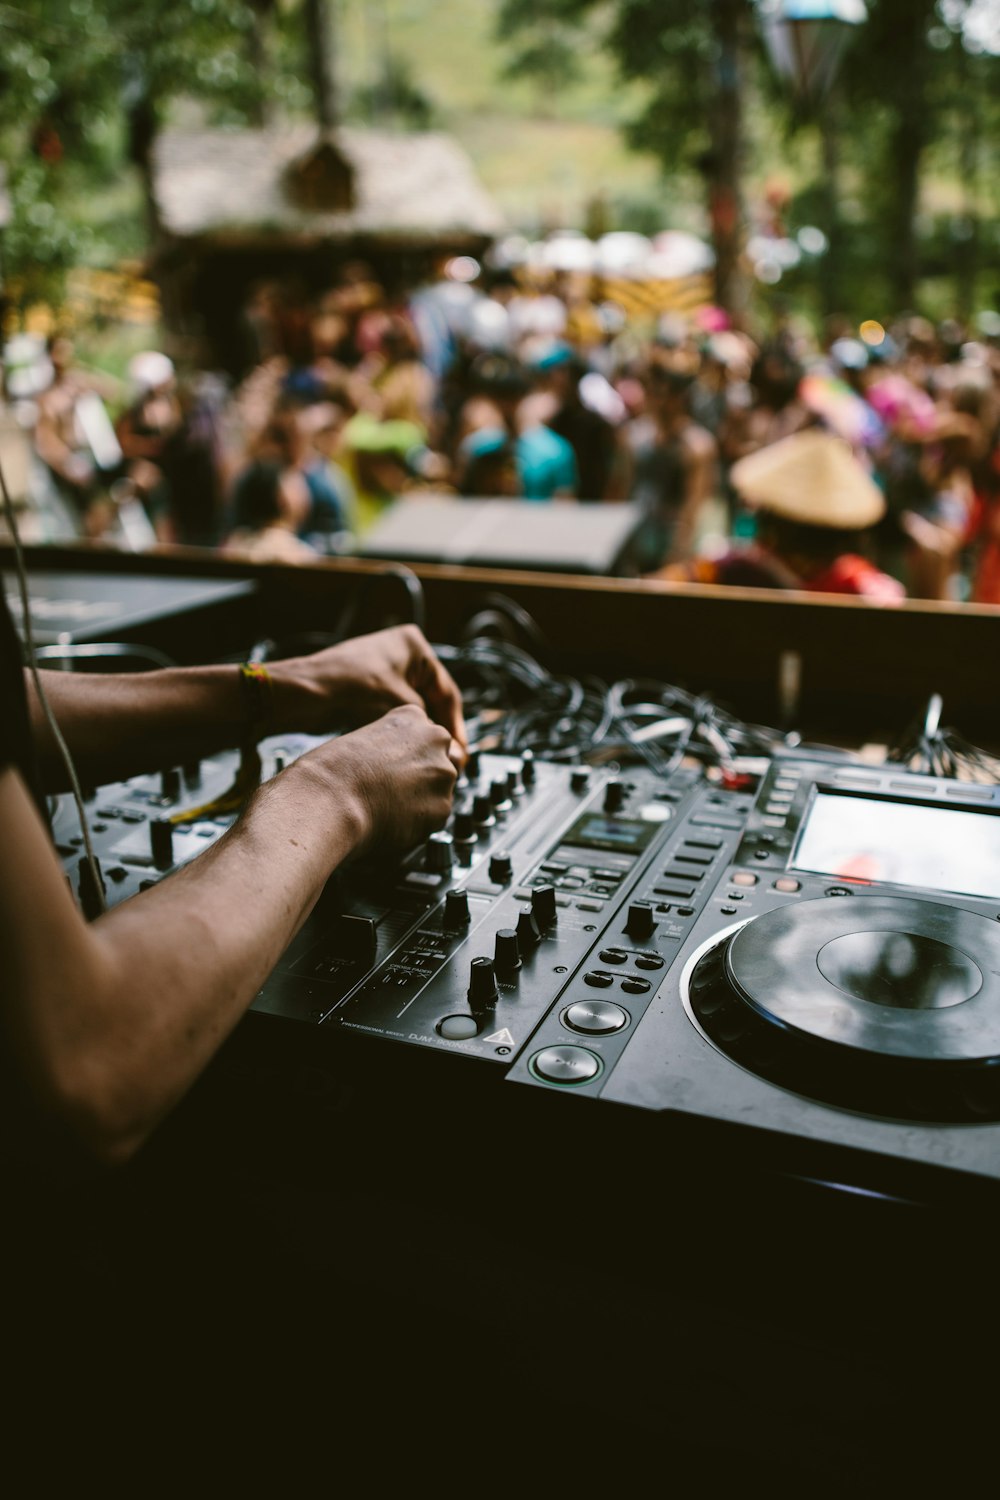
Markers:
point(255, 682)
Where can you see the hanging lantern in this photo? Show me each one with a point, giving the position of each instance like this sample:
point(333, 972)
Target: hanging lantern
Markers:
point(806, 40)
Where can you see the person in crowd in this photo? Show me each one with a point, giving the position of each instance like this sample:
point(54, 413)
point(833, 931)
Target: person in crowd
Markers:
point(486, 465)
point(272, 506)
point(672, 460)
point(147, 430)
point(61, 438)
point(561, 374)
point(392, 382)
point(502, 398)
point(815, 505)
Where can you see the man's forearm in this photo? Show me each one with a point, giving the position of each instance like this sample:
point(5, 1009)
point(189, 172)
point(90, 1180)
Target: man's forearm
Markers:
point(118, 725)
point(112, 1022)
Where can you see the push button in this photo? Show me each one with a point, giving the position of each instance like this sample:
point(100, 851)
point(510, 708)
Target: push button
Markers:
point(597, 980)
point(458, 1028)
point(566, 1065)
point(596, 1016)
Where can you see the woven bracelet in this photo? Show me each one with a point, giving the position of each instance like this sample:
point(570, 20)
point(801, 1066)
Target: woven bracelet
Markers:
point(255, 684)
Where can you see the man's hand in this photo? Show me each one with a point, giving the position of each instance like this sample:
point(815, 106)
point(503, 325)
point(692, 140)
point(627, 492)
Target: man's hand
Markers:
point(361, 679)
point(397, 775)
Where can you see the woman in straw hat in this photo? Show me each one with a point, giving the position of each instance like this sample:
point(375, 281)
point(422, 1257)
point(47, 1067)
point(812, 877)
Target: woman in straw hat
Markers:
point(814, 502)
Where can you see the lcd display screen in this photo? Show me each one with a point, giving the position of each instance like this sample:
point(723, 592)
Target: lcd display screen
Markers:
point(909, 843)
point(627, 834)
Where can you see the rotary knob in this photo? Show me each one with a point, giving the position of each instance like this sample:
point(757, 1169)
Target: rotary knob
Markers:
point(500, 795)
point(438, 853)
point(456, 910)
point(482, 986)
point(507, 953)
point(482, 812)
point(640, 922)
point(501, 868)
point(528, 768)
point(579, 779)
point(161, 839)
point(543, 905)
point(614, 796)
point(170, 784)
point(92, 888)
point(528, 934)
point(463, 828)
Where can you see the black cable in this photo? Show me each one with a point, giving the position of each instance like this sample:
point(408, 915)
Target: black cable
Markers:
point(305, 642)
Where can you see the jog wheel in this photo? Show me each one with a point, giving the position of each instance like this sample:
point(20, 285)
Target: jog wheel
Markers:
point(883, 1005)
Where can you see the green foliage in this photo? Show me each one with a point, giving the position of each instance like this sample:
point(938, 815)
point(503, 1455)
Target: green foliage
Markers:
point(396, 98)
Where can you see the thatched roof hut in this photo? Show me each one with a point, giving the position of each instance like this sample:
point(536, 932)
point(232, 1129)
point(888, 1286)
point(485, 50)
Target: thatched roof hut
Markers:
point(234, 206)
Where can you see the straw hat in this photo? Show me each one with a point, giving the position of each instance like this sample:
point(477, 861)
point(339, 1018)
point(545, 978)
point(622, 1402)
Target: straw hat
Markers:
point(813, 478)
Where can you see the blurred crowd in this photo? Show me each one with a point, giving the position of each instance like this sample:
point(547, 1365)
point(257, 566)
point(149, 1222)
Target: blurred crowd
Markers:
point(476, 385)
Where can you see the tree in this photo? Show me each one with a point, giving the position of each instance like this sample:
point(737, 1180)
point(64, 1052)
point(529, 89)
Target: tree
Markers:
point(687, 60)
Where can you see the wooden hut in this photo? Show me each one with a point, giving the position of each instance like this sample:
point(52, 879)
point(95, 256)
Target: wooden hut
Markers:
point(236, 208)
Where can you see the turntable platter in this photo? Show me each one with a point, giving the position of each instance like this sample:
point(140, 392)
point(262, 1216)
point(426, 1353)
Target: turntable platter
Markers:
point(882, 1004)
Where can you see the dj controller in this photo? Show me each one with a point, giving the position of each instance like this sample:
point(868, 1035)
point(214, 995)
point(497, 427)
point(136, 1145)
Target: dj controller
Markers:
point(800, 962)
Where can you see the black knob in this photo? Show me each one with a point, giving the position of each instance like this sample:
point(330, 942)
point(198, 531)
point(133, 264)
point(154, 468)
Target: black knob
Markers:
point(472, 765)
point(507, 954)
point(640, 922)
point(528, 768)
point(579, 779)
point(528, 934)
point(482, 986)
point(170, 784)
point(456, 910)
point(501, 868)
point(92, 890)
point(463, 828)
point(438, 852)
point(192, 773)
point(543, 904)
point(614, 796)
point(161, 838)
point(500, 795)
point(482, 812)
point(280, 761)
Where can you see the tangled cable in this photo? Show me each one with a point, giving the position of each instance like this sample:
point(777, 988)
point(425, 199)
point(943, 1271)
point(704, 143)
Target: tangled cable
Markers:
point(514, 703)
point(930, 750)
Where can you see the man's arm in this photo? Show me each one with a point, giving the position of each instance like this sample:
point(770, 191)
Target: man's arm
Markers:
point(110, 1024)
point(118, 725)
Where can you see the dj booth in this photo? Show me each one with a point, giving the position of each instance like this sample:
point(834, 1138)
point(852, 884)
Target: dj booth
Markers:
point(686, 1043)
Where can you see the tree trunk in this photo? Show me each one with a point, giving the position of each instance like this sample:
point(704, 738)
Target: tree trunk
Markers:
point(320, 40)
point(967, 243)
point(830, 271)
point(725, 163)
point(911, 66)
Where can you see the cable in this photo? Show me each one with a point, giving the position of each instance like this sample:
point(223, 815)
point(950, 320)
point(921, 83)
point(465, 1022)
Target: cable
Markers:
point(306, 642)
point(927, 749)
point(67, 759)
